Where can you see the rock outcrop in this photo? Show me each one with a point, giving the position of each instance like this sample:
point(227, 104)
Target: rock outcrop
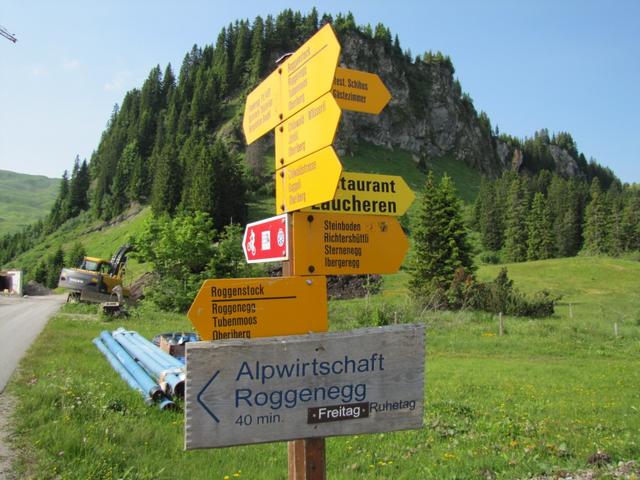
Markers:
point(428, 114)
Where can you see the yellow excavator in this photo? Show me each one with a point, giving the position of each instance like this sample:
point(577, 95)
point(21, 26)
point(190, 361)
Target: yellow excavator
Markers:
point(97, 280)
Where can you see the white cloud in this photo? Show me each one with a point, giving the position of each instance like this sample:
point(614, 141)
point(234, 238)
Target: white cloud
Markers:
point(71, 64)
point(118, 82)
point(38, 71)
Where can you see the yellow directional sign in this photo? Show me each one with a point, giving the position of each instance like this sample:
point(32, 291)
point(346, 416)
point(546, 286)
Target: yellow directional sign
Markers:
point(308, 181)
point(259, 307)
point(342, 244)
point(262, 108)
point(301, 79)
point(360, 91)
point(369, 194)
point(308, 73)
point(307, 131)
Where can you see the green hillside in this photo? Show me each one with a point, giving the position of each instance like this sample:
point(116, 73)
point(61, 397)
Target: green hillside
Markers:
point(99, 238)
point(539, 400)
point(24, 199)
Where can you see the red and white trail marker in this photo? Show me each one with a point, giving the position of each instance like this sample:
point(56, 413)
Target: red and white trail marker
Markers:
point(267, 240)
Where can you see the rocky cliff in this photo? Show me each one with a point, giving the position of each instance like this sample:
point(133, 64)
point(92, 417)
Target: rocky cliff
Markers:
point(428, 114)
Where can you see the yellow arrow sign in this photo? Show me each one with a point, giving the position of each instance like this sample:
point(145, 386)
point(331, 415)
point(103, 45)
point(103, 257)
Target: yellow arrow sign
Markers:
point(307, 131)
point(369, 194)
point(360, 91)
point(259, 307)
point(301, 79)
point(341, 244)
point(308, 181)
point(308, 73)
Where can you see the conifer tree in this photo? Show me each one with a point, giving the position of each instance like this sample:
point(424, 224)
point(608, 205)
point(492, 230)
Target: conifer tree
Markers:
point(567, 227)
point(440, 239)
point(200, 194)
point(167, 184)
point(230, 186)
point(540, 236)
point(516, 223)
point(630, 227)
point(79, 189)
point(615, 203)
point(256, 59)
point(60, 210)
point(168, 85)
point(40, 274)
point(54, 267)
point(76, 254)
point(596, 221)
point(490, 220)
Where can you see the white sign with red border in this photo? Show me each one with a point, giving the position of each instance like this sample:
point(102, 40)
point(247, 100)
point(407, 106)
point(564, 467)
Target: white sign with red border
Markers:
point(267, 240)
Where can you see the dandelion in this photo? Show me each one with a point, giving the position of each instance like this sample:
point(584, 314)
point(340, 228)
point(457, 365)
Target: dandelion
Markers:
point(449, 456)
point(488, 334)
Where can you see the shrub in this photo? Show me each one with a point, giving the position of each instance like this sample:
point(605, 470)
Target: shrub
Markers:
point(496, 296)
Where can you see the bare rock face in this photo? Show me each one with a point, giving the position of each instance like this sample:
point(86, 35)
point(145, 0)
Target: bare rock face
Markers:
point(566, 166)
point(427, 115)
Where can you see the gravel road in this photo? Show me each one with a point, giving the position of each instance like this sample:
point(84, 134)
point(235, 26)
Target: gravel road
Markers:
point(21, 320)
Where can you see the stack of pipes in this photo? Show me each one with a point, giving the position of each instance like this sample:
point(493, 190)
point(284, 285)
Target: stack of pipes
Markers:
point(146, 368)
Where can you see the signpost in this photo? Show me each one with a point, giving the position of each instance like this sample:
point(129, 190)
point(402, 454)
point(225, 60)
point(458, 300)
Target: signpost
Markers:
point(369, 194)
point(266, 240)
point(272, 389)
point(360, 91)
point(301, 79)
point(308, 181)
point(304, 388)
point(341, 244)
point(259, 307)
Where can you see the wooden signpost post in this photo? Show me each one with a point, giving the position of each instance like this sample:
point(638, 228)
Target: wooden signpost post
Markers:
point(269, 375)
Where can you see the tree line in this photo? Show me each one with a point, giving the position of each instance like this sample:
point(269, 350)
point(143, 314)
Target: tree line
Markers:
point(546, 216)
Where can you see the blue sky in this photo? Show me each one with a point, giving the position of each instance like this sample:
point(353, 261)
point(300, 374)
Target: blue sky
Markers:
point(565, 65)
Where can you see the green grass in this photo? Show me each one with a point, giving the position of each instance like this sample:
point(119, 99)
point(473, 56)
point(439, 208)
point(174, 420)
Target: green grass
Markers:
point(25, 199)
point(372, 159)
point(539, 399)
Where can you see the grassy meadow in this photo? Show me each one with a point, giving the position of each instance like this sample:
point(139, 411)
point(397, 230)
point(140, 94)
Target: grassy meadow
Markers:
point(539, 400)
point(25, 199)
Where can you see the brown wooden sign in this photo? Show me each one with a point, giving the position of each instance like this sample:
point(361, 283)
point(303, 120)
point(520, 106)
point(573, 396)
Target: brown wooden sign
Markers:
point(270, 389)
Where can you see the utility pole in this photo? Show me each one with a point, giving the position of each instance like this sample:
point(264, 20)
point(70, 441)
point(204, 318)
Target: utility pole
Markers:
point(7, 35)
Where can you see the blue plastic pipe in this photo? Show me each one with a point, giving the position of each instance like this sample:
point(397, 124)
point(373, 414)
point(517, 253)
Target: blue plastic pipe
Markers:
point(151, 388)
point(162, 356)
point(163, 402)
point(119, 367)
point(169, 374)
